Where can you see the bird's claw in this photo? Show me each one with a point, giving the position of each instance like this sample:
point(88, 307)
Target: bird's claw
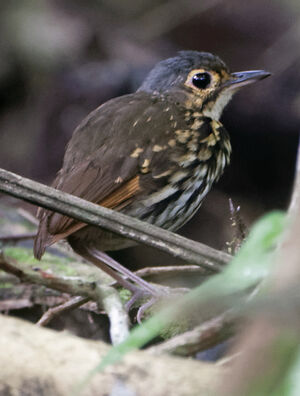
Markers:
point(139, 294)
point(136, 295)
point(143, 308)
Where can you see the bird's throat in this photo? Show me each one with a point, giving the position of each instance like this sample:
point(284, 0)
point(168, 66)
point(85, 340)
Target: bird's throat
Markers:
point(214, 108)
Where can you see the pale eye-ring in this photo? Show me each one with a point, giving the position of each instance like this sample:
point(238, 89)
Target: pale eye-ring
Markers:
point(201, 80)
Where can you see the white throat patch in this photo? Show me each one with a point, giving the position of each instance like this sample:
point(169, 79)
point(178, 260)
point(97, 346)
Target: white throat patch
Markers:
point(214, 110)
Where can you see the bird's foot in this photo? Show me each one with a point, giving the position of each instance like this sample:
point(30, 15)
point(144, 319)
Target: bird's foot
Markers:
point(144, 295)
point(143, 308)
point(149, 298)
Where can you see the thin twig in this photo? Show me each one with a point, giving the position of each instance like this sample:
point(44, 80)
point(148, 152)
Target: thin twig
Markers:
point(17, 238)
point(28, 216)
point(237, 221)
point(170, 269)
point(87, 212)
point(71, 304)
point(240, 229)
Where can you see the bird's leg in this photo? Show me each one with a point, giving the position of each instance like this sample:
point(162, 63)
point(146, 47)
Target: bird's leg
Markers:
point(135, 297)
point(109, 261)
point(145, 288)
point(114, 269)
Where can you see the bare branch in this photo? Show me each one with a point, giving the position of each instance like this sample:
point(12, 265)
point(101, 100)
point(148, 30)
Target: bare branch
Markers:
point(17, 238)
point(87, 212)
point(51, 313)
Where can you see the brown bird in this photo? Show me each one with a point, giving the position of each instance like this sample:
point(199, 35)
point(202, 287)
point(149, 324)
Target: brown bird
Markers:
point(153, 154)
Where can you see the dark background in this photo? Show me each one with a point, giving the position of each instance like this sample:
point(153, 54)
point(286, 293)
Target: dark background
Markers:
point(61, 59)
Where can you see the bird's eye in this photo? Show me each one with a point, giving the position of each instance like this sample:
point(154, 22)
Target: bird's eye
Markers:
point(201, 80)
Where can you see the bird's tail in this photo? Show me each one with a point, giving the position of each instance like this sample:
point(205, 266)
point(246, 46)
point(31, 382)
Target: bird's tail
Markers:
point(43, 238)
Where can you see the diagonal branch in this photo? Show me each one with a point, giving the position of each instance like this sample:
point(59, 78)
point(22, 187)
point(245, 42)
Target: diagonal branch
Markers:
point(87, 212)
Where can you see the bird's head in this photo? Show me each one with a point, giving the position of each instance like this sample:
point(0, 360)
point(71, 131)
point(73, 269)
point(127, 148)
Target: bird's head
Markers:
point(203, 79)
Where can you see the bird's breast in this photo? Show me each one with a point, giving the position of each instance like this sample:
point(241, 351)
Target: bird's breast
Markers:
point(199, 154)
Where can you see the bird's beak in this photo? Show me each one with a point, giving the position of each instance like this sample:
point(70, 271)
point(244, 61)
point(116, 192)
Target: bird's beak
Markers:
point(240, 79)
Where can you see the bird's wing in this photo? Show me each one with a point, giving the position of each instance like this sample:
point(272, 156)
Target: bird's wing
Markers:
point(109, 157)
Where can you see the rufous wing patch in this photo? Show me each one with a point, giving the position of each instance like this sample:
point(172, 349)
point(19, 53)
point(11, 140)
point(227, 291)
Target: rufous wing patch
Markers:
point(122, 194)
point(118, 199)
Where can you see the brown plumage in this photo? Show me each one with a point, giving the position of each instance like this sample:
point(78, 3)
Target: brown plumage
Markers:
point(153, 154)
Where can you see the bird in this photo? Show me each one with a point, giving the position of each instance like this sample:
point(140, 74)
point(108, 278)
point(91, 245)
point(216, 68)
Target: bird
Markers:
point(153, 154)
